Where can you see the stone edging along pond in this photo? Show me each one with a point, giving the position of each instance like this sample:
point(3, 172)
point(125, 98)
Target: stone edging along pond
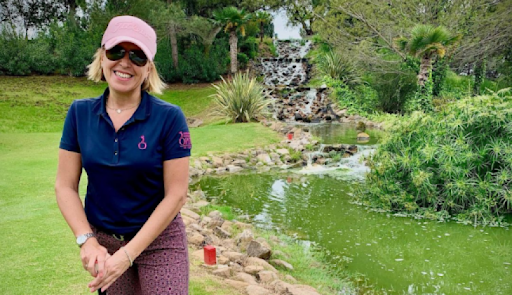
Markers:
point(244, 262)
point(287, 154)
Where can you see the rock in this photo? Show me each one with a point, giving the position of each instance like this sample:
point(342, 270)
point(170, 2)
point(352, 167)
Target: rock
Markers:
point(253, 269)
point(222, 259)
point(215, 222)
point(264, 158)
point(221, 170)
point(217, 162)
point(196, 227)
point(221, 233)
point(243, 239)
point(258, 249)
point(283, 151)
point(189, 213)
point(195, 238)
point(187, 220)
point(260, 262)
point(363, 136)
point(281, 263)
point(257, 290)
point(243, 277)
point(290, 279)
point(201, 203)
point(227, 225)
point(266, 276)
point(234, 256)
point(234, 169)
point(224, 272)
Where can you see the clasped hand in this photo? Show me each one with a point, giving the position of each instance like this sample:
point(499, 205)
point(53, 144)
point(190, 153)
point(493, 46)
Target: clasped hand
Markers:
point(102, 266)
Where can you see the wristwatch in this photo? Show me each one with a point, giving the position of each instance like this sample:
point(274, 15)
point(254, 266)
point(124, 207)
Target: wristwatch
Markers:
point(81, 239)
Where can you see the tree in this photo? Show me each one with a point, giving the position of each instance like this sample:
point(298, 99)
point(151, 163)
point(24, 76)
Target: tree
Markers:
point(233, 20)
point(31, 14)
point(262, 18)
point(204, 29)
point(427, 42)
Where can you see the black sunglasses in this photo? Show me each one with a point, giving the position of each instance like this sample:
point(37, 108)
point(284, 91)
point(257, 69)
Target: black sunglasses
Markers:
point(136, 56)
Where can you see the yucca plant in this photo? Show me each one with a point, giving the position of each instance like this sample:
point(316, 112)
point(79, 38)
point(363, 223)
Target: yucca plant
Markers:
point(334, 65)
point(240, 100)
point(456, 163)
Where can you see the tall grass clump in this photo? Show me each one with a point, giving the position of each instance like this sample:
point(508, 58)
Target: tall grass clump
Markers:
point(334, 65)
point(456, 163)
point(240, 100)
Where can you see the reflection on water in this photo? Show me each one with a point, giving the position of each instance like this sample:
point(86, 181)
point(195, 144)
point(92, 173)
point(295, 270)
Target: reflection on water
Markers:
point(342, 133)
point(396, 254)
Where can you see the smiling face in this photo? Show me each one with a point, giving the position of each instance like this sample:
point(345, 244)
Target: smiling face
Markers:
point(123, 76)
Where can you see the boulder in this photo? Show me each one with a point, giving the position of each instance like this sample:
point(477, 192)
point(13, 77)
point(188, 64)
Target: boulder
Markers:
point(237, 284)
point(266, 276)
point(195, 238)
point(243, 239)
point(221, 233)
point(234, 256)
point(190, 213)
point(258, 249)
point(253, 269)
point(234, 169)
point(217, 162)
point(260, 262)
point(243, 277)
point(282, 264)
point(224, 272)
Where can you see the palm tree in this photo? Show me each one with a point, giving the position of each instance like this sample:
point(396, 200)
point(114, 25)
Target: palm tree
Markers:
point(232, 20)
point(263, 18)
point(427, 42)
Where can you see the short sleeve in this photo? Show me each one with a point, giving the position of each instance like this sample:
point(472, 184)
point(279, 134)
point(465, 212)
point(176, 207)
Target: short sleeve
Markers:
point(69, 139)
point(177, 143)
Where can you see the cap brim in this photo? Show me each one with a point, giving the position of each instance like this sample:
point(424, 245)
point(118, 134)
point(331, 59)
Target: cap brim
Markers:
point(116, 40)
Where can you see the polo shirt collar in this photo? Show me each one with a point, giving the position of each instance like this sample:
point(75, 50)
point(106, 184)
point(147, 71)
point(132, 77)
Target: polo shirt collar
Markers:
point(142, 112)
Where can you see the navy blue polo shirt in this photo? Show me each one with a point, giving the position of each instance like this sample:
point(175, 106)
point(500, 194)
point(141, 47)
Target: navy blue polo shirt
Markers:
point(124, 168)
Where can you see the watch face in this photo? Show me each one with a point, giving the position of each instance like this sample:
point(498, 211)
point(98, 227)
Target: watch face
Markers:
point(81, 239)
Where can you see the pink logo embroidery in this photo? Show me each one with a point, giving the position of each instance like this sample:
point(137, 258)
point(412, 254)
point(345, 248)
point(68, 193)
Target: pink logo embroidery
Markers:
point(142, 144)
point(185, 140)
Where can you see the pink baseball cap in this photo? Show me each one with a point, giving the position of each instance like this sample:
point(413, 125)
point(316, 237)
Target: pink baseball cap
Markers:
point(130, 29)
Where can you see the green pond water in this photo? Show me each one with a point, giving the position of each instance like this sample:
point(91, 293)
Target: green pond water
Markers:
point(395, 254)
point(398, 255)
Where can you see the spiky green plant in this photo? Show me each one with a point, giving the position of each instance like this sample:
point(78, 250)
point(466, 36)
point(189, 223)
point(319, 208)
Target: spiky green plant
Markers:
point(334, 65)
point(240, 100)
point(457, 163)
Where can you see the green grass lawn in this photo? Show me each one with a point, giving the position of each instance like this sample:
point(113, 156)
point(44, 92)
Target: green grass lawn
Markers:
point(38, 251)
point(40, 103)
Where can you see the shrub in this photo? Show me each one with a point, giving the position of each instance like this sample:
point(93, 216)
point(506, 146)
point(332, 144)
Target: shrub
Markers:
point(242, 60)
point(361, 99)
point(14, 59)
point(241, 99)
point(195, 66)
point(335, 66)
point(456, 163)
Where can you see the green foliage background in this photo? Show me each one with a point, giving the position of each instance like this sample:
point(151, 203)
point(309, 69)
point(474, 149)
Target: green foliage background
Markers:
point(453, 163)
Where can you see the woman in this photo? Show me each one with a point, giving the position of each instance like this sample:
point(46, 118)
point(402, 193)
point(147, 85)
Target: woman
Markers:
point(135, 149)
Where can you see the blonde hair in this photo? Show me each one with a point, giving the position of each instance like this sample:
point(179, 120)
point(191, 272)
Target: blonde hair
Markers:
point(153, 82)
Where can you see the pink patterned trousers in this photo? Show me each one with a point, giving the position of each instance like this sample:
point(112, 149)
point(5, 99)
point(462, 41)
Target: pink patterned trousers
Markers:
point(163, 268)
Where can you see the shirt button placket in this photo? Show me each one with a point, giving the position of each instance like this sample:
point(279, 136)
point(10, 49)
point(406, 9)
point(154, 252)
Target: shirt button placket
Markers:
point(115, 160)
